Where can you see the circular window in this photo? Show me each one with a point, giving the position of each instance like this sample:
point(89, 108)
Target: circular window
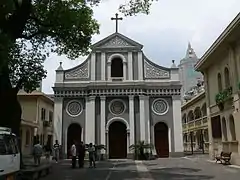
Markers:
point(117, 107)
point(160, 106)
point(74, 108)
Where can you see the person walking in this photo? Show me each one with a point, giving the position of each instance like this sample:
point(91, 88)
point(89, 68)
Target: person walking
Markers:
point(81, 154)
point(37, 153)
point(56, 149)
point(74, 155)
point(91, 151)
point(48, 150)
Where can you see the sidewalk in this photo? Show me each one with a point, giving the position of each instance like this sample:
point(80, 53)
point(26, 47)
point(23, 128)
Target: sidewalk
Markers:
point(28, 160)
point(31, 171)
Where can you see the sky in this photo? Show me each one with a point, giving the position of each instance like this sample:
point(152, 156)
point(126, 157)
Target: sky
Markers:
point(164, 33)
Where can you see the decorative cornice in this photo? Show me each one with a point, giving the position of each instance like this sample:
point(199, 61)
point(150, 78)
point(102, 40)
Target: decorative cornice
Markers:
point(118, 92)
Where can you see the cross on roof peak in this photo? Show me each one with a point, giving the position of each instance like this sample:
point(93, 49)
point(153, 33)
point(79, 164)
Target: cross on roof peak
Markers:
point(116, 18)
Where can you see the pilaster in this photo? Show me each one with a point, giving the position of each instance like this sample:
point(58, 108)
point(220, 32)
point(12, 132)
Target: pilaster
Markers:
point(140, 65)
point(131, 120)
point(147, 119)
point(103, 119)
point(124, 71)
point(142, 118)
point(90, 120)
point(103, 66)
point(177, 124)
point(130, 66)
point(57, 122)
point(93, 66)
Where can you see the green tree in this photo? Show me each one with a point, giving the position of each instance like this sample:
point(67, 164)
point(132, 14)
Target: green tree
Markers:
point(30, 30)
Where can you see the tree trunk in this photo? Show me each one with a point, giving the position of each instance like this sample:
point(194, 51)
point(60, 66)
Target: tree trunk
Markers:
point(10, 108)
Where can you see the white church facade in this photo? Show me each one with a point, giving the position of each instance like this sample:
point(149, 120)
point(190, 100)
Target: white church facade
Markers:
point(116, 98)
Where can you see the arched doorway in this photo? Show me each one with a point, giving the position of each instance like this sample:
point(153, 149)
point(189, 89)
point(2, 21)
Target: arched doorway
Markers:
point(161, 139)
point(74, 133)
point(117, 140)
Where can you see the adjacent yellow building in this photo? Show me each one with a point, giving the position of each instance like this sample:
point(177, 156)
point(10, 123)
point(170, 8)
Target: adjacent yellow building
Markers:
point(221, 68)
point(194, 122)
point(37, 119)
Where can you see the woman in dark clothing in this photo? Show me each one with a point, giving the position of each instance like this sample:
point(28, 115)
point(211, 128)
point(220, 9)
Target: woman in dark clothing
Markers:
point(48, 150)
point(81, 155)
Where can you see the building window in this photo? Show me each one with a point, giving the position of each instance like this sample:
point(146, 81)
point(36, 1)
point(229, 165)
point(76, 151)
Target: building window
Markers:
point(219, 82)
point(117, 67)
point(227, 78)
point(43, 114)
point(50, 116)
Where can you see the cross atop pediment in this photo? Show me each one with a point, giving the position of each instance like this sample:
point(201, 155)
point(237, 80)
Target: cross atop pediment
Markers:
point(116, 18)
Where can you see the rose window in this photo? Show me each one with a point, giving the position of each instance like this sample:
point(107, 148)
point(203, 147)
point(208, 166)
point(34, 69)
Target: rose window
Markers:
point(160, 107)
point(74, 108)
point(117, 107)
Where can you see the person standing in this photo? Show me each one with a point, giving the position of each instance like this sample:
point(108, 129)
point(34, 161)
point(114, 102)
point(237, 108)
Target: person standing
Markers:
point(74, 155)
point(81, 155)
point(56, 149)
point(91, 151)
point(37, 153)
point(48, 150)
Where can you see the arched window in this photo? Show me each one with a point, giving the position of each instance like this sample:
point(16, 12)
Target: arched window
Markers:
point(190, 116)
point(227, 77)
point(204, 110)
point(232, 127)
point(184, 119)
point(197, 113)
point(219, 82)
point(224, 129)
point(117, 67)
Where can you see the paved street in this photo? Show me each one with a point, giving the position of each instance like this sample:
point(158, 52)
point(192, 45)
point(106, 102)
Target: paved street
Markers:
point(169, 169)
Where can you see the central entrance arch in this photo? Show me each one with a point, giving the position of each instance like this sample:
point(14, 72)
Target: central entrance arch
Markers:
point(117, 140)
point(161, 139)
point(74, 133)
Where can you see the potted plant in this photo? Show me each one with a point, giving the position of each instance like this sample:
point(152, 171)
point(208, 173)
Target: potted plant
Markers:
point(139, 150)
point(220, 100)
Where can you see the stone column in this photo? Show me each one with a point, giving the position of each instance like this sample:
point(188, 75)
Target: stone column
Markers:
point(124, 71)
point(90, 120)
point(130, 66)
point(93, 66)
point(131, 120)
point(103, 120)
point(140, 66)
point(109, 71)
point(103, 66)
point(147, 119)
point(142, 118)
point(177, 124)
point(57, 122)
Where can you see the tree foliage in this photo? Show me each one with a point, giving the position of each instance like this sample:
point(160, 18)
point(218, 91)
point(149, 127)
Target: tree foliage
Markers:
point(46, 26)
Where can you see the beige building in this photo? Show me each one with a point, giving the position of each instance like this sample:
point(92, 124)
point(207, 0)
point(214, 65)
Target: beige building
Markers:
point(37, 117)
point(221, 68)
point(194, 122)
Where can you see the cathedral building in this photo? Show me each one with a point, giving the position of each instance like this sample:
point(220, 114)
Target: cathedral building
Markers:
point(118, 97)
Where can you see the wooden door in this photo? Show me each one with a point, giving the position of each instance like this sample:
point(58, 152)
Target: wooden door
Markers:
point(161, 139)
point(117, 141)
point(73, 134)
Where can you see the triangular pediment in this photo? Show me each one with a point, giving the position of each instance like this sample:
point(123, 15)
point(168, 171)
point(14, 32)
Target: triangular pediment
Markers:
point(116, 40)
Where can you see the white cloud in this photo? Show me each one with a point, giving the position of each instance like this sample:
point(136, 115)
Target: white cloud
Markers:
point(164, 33)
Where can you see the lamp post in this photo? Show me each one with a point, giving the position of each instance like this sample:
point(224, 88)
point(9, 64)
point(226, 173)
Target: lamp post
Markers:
point(191, 140)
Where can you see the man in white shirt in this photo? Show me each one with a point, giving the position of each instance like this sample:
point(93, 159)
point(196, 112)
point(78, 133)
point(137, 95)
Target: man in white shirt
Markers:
point(74, 155)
